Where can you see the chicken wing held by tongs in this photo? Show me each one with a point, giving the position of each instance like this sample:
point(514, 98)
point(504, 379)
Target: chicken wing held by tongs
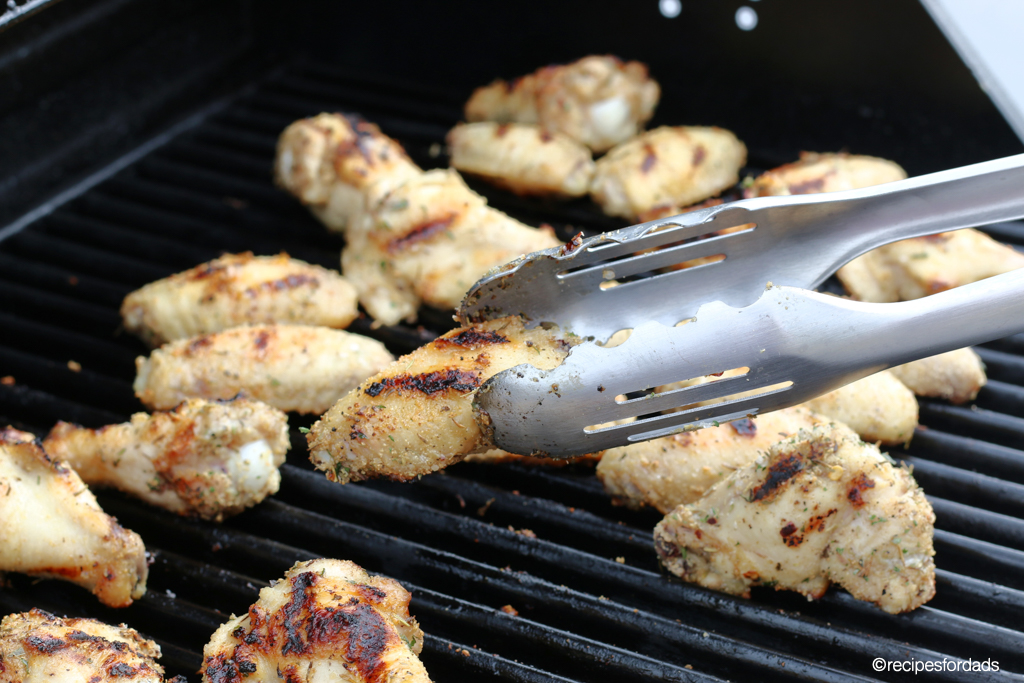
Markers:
point(747, 307)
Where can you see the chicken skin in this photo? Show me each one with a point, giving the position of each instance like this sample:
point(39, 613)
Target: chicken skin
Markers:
point(598, 101)
point(819, 507)
point(417, 416)
point(431, 240)
point(666, 167)
point(956, 376)
point(239, 289)
point(54, 528)
point(879, 407)
point(522, 158)
point(673, 470)
point(206, 459)
point(37, 646)
point(911, 269)
point(327, 620)
point(291, 367)
point(815, 173)
point(340, 166)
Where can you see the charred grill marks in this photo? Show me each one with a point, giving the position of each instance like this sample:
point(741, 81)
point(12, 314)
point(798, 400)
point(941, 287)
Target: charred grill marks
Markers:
point(429, 383)
point(779, 472)
point(471, 338)
point(421, 232)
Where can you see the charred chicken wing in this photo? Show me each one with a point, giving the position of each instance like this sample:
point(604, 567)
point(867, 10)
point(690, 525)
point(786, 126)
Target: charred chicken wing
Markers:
point(291, 367)
point(37, 646)
point(54, 528)
point(327, 620)
point(598, 101)
point(819, 507)
point(417, 416)
point(208, 459)
point(239, 289)
point(666, 167)
point(522, 158)
point(431, 239)
point(340, 166)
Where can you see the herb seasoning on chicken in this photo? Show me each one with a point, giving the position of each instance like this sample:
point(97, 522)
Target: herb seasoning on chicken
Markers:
point(820, 507)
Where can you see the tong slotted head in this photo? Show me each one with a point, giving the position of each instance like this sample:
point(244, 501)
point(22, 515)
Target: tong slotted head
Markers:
point(739, 303)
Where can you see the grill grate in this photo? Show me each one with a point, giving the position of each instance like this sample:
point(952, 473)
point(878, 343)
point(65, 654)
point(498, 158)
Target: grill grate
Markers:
point(456, 539)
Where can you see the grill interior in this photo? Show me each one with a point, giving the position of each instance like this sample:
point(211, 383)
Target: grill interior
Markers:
point(592, 604)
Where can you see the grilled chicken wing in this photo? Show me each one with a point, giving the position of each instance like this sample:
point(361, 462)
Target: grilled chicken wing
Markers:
point(825, 173)
point(673, 470)
point(37, 646)
point(666, 167)
point(54, 528)
point(956, 376)
point(599, 101)
point(431, 239)
point(239, 289)
point(522, 158)
point(208, 459)
point(879, 407)
point(291, 367)
point(819, 507)
point(911, 269)
point(417, 416)
point(327, 620)
point(340, 166)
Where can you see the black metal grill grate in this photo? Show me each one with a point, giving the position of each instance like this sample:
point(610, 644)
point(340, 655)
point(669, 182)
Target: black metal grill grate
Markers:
point(456, 539)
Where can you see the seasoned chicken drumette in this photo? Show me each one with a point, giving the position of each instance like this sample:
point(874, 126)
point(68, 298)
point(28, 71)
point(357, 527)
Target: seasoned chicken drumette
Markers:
point(239, 289)
point(825, 173)
point(522, 158)
point(340, 166)
point(879, 407)
point(291, 367)
point(54, 528)
point(666, 167)
point(956, 376)
point(417, 416)
point(819, 507)
point(327, 620)
point(431, 240)
point(599, 101)
point(37, 646)
point(911, 269)
point(208, 459)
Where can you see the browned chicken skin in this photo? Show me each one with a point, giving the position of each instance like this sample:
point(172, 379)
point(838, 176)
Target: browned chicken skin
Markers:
point(327, 620)
point(239, 289)
point(37, 646)
point(54, 528)
point(819, 507)
point(417, 415)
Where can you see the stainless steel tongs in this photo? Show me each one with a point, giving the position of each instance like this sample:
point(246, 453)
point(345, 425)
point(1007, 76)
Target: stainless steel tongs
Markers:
point(749, 309)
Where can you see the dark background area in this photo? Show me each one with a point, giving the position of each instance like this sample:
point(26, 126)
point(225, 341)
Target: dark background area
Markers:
point(82, 81)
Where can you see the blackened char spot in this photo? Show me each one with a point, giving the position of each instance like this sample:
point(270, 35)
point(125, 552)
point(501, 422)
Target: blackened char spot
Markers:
point(220, 669)
point(46, 644)
point(429, 383)
point(421, 232)
point(262, 338)
point(301, 602)
point(789, 535)
point(121, 670)
point(650, 159)
point(779, 472)
point(744, 427)
point(859, 484)
point(817, 523)
point(82, 636)
point(366, 633)
point(471, 338)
